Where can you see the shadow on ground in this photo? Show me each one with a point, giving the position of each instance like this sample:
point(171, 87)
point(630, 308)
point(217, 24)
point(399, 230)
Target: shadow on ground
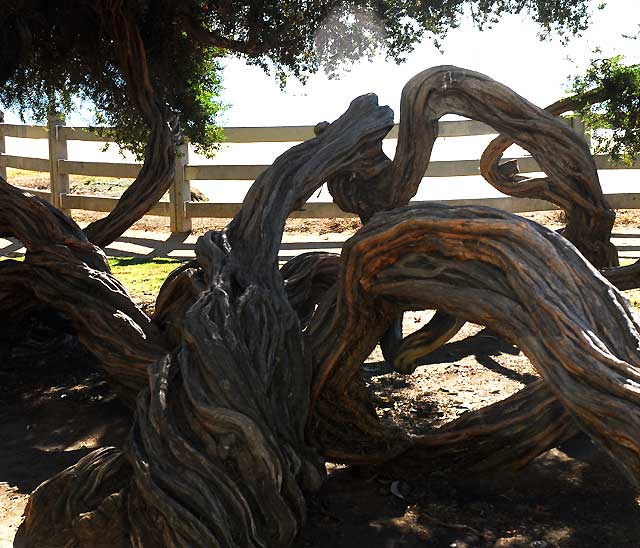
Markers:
point(557, 501)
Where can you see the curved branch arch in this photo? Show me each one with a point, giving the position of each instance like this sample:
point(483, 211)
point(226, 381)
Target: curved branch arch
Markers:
point(573, 188)
point(217, 454)
point(483, 265)
point(572, 180)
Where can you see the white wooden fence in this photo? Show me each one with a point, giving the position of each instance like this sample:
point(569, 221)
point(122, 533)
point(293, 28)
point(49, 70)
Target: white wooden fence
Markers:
point(181, 209)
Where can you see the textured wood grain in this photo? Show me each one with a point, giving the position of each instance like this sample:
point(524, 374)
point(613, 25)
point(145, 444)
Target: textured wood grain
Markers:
point(66, 272)
point(571, 182)
point(217, 452)
point(523, 281)
point(252, 373)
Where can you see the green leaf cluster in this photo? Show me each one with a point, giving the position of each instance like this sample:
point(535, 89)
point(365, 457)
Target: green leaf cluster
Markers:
point(56, 54)
point(615, 122)
point(60, 54)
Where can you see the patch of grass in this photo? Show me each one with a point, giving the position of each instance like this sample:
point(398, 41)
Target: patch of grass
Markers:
point(141, 276)
point(634, 297)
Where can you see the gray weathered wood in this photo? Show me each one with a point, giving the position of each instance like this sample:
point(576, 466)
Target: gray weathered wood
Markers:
point(240, 398)
point(292, 134)
point(24, 131)
point(70, 133)
point(100, 169)
point(180, 193)
point(57, 152)
point(224, 414)
point(44, 194)
point(24, 162)
point(101, 203)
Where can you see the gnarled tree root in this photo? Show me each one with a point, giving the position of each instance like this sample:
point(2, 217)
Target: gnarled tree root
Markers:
point(240, 396)
point(63, 270)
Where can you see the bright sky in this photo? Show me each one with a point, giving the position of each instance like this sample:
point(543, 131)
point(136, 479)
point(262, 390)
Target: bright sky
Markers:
point(511, 53)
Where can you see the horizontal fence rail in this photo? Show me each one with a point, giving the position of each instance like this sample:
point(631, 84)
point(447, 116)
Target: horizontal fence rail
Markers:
point(181, 209)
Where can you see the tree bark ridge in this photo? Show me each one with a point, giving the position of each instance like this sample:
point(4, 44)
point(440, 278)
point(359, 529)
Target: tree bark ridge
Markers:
point(512, 275)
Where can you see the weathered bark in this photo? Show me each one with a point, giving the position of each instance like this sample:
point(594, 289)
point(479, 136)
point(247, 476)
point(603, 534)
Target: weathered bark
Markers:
point(307, 278)
point(623, 277)
point(252, 371)
point(94, 492)
point(217, 452)
point(158, 169)
point(563, 155)
point(63, 270)
point(404, 354)
point(514, 276)
point(505, 435)
point(178, 293)
point(573, 184)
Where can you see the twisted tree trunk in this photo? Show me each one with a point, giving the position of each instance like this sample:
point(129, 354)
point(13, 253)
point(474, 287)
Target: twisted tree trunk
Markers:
point(217, 456)
point(485, 266)
point(251, 374)
point(158, 169)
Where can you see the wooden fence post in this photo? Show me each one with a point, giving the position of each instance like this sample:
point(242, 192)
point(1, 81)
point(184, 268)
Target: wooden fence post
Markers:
point(180, 193)
point(3, 170)
point(57, 151)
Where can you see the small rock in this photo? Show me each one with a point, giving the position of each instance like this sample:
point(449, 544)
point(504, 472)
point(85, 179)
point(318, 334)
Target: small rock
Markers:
point(538, 544)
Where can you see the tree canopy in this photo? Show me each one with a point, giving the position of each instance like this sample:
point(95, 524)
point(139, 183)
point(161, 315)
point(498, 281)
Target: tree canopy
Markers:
point(103, 50)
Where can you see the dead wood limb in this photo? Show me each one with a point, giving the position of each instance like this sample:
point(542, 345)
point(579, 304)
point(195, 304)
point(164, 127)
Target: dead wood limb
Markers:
point(404, 354)
point(571, 183)
point(217, 452)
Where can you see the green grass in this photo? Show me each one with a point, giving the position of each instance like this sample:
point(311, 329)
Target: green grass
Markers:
point(141, 276)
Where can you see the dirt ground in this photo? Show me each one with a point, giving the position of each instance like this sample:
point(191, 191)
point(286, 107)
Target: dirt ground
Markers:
point(55, 408)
